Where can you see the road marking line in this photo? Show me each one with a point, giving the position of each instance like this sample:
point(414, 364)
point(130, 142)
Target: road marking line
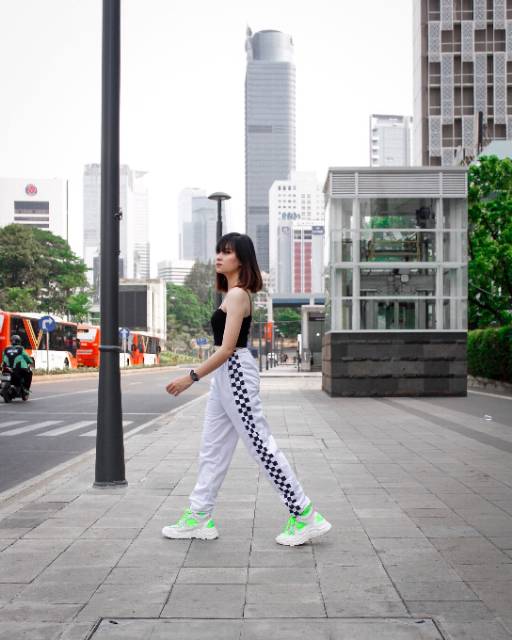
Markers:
point(11, 423)
point(62, 395)
point(92, 433)
point(31, 427)
point(67, 428)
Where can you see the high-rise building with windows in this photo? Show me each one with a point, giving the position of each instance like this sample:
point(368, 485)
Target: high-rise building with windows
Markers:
point(390, 140)
point(40, 203)
point(134, 227)
point(296, 234)
point(462, 66)
point(269, 128)
point(197, 220)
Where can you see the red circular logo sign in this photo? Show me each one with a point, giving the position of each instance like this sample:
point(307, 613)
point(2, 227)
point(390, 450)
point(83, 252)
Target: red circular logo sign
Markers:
point(31, 189)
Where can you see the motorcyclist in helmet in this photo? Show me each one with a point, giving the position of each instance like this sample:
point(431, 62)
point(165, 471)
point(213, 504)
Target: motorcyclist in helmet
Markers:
point(19, 361)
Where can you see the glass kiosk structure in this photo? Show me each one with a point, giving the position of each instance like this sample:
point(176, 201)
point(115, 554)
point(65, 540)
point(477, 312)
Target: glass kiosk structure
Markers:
point(397, 280)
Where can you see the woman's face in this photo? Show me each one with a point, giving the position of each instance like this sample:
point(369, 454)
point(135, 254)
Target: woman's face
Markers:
point(227, 262)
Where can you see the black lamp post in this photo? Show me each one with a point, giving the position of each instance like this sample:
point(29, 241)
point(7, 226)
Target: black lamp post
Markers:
point(110, 468)
point(219, 197)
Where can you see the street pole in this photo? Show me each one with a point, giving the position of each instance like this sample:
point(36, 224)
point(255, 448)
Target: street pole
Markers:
point(219, 196)
point(218, 294)
point(110, 467)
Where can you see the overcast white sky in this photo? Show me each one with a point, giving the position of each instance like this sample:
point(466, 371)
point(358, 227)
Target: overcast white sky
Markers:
point(182, 104)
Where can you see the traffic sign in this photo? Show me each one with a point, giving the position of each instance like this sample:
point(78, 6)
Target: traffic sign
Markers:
point(201, 341)
point(47, 324)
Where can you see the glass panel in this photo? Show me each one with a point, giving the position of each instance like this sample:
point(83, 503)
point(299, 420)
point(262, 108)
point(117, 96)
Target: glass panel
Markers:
point(455, 282)
point(398, 282)
point(394, 213)
point(343, 284)
point(455, 246)
point(340, 214)
point(346, 314)
point(455, 214)
point(398, 246)
point(455, 314)
point(397, 314)
point(347, 219)
point(341, 246)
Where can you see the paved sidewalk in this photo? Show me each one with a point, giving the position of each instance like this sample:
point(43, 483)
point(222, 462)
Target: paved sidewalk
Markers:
point(420, 497)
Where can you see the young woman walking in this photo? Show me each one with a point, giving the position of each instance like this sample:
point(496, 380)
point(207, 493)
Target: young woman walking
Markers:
point(234, 408)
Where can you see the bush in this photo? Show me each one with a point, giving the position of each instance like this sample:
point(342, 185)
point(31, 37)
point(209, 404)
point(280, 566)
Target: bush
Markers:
point(490, 353)
point(168, 357)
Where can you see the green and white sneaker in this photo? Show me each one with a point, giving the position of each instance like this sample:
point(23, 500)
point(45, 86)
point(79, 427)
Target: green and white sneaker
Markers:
point(192, 525)
point(299, 529)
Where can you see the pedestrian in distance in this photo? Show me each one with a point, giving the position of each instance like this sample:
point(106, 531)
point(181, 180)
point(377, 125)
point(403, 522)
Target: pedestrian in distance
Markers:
point(234, 408)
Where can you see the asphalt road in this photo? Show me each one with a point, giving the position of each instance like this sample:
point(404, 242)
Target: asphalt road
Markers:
point(59, 420)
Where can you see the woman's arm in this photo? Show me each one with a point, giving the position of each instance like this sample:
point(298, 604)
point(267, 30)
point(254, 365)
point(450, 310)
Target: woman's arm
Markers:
point(236, 304)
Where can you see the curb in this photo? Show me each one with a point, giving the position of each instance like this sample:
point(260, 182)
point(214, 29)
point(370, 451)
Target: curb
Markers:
point(488, 385)
point(94, 374)
point(29, 486)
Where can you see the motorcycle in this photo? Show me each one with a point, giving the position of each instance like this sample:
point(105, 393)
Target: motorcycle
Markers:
point(8, 390)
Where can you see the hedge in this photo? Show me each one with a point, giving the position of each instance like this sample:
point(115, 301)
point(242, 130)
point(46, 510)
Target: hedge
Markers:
point(490, 353)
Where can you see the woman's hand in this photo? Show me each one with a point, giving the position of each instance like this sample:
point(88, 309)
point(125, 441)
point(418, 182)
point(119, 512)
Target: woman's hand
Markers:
point(177, 386)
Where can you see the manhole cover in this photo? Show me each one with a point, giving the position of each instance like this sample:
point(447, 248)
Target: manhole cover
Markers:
point(262, 629)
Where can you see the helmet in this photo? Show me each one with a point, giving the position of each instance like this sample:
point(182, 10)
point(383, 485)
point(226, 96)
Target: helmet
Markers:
point(15, 339)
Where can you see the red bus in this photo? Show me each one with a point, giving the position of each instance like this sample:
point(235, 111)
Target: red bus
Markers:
point(63, 344)
point(141, 348)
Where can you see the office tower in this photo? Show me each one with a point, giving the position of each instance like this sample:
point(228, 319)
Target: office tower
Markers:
point(296, 234)
point(198, 225)
point(185, 231)
point(390, 140)
point(40, 203)
point(462, 61)
point(269, 128)
point(175, 271)
point(134, 226)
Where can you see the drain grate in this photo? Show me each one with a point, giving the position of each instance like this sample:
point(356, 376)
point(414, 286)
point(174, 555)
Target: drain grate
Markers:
point(235, 629)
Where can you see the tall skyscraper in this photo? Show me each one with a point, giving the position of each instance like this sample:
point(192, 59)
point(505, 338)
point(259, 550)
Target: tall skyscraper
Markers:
point(296, 234)
point(390, 141)
point(198, 225)
point(462, 62)
point(134, 228)
point(186, 234)
point(269, 128)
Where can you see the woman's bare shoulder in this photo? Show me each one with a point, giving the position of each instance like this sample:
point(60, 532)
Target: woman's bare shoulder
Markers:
point(236, 297)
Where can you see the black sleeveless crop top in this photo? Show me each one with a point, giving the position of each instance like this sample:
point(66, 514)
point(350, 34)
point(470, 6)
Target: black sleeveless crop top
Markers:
point(218, 321)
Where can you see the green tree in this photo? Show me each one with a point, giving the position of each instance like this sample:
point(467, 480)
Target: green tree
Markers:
point(186, 316)
point(38, 271)
point(201, 280)
point(62, 273)
point(490, 242)
point(19, 253)
point(287, 321)
point(16, 298)
point(78, 306)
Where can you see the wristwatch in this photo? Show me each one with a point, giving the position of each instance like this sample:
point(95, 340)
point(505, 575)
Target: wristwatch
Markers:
point(194, 375)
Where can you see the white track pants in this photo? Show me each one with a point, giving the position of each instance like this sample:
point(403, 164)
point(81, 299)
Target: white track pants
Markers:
point(234, 410)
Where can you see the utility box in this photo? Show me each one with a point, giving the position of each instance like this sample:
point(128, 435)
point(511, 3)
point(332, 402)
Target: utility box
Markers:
point(397, 282)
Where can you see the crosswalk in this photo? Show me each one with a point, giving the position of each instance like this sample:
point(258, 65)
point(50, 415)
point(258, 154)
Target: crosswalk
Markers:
point(51, 433)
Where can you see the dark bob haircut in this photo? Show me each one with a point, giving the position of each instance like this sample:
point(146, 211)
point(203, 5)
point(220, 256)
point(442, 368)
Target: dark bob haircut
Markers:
point(250, 276)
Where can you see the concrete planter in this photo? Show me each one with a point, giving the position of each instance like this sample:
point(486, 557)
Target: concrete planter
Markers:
point(394, 363)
